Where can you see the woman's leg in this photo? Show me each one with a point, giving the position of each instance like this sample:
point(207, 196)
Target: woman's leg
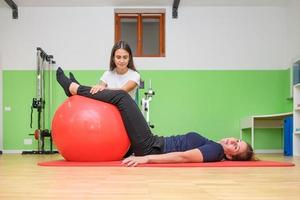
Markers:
point(143, 142)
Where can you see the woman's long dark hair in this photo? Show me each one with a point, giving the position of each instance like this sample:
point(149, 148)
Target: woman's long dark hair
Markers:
point(121, 45)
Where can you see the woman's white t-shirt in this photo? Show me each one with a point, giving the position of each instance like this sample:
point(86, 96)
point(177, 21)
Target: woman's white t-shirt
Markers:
point(116, 81)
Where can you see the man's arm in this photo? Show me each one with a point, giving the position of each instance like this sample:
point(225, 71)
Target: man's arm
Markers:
point(193, 155)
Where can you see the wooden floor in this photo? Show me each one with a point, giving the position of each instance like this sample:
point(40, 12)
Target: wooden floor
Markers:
point(22, 178)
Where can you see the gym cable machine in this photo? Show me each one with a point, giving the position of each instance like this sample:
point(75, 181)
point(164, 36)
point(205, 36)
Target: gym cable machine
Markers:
point(43, 61)
point(146, 104)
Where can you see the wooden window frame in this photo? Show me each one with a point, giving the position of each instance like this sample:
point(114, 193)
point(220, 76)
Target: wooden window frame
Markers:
point(140, 16)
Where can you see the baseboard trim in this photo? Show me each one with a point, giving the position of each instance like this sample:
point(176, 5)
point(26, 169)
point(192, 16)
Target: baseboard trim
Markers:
point(21, 151)
point(256, 151)
point(12, 151)
point(268, 151)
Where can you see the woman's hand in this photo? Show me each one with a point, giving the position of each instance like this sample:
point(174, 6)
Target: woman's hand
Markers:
point(133, 161)
point(97, 88)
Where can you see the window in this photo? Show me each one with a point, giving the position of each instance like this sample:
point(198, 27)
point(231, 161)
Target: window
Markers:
point(144, 30)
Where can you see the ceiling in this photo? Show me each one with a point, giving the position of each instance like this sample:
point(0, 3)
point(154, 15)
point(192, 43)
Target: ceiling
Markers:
point(91, 3)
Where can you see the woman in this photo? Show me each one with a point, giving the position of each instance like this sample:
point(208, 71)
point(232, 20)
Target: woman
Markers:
point(149, 148)
point(122, 73)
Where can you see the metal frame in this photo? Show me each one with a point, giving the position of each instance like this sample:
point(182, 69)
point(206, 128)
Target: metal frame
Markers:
point(14, 8)
point(43, 60)
point(146, 104)
point(175, 8)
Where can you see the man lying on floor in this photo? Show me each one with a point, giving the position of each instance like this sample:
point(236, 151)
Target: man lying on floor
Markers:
point(149, 148)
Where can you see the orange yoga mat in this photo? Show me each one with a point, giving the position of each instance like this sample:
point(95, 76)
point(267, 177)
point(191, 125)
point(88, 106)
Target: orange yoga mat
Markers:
point(260, 163)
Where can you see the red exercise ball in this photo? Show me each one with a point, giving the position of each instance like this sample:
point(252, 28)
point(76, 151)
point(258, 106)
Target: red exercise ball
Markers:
point(85, 129)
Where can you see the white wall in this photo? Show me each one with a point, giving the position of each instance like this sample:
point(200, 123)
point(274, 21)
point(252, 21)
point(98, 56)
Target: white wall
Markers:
point(230, 37)
point(77, 37)
point(201, 38)
point(293, 30)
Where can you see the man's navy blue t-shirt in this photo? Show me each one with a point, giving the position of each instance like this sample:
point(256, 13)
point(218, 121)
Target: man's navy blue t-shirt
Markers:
point(211, 151)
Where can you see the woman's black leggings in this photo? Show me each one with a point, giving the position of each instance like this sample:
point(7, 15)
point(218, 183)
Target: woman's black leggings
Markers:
point(143, 142)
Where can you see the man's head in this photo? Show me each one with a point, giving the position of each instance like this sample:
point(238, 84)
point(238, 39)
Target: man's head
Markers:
point(236, 149)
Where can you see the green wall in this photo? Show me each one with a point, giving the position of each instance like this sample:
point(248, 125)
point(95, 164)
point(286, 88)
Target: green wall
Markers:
point(211, 102)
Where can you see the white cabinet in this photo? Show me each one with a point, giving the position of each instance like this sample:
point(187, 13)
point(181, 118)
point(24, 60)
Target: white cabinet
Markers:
point(296, 120)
